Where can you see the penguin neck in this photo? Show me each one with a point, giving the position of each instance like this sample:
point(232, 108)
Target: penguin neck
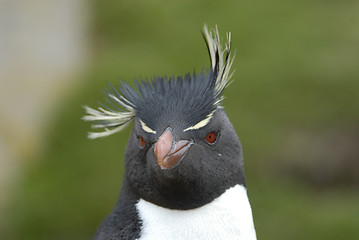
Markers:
point(227, 217)
point(173, 193)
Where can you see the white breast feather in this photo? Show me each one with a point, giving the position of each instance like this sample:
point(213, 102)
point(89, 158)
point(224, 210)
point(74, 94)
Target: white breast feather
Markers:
point(227, 217)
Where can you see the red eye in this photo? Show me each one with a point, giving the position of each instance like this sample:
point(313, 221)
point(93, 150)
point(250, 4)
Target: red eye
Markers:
point(142, 141)
point(211, 137)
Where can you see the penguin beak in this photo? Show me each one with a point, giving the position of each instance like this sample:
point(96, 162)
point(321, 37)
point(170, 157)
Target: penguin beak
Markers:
point(169, 153)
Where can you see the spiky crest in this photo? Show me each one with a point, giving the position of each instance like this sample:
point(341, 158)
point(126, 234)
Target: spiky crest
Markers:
point(221, 61)
point(201, 95)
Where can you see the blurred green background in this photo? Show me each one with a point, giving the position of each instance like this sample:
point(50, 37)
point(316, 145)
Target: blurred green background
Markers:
point(294, 102)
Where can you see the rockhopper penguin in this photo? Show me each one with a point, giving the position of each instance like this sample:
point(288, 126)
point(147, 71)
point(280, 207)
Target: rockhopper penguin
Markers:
point(184, 176)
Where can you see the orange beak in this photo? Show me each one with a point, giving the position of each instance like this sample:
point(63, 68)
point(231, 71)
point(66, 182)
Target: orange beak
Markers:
point(169, 153)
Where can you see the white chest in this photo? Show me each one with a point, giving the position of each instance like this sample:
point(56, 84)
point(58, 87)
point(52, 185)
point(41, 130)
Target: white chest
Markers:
point(227, 217)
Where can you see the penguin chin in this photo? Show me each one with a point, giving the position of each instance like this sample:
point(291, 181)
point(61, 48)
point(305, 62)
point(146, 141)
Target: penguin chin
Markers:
point(190, 184)
point(166, 176)
point(164, 173)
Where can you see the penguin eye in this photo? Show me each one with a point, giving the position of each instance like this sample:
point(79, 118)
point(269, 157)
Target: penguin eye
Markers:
point(141, 141)
point(211, 137)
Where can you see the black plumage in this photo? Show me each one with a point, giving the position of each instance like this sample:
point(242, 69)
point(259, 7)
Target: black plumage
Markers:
point(183, 152)
point(187, 99)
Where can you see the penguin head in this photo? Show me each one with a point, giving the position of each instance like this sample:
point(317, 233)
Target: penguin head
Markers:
point(183, 152)
point(184, 170)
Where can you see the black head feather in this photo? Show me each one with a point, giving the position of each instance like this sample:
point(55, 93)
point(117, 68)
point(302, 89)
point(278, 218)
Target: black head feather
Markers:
point(187, 100)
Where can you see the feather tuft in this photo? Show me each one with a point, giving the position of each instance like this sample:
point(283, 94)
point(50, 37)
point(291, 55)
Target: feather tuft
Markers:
point(109, 120)
point(194, 97)
point(221, 60)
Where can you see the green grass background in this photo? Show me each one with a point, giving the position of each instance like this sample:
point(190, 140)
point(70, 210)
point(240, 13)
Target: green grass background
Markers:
point(296, 74)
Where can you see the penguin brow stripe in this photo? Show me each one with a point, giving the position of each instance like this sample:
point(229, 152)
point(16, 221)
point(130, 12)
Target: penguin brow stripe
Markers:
point(146, 128)
point(201, 123)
